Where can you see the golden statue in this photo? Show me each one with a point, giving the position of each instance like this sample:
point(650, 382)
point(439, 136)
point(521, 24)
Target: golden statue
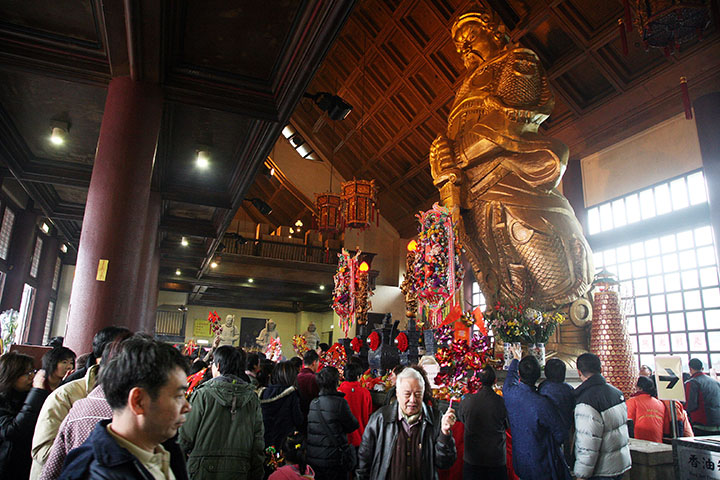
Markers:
point(499, 175)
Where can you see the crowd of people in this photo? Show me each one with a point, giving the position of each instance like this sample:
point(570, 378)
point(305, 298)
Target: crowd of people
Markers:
point(139, 409)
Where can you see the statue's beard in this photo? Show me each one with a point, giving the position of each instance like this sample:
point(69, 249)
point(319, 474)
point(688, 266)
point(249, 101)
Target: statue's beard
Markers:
point(470, 60)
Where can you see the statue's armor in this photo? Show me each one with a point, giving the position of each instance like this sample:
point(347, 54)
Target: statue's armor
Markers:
point(520, 233)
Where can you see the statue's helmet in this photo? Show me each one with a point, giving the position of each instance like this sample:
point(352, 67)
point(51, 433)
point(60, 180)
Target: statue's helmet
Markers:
point(486, 19)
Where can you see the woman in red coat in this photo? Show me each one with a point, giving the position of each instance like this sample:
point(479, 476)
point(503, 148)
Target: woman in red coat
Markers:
point(358, 398)
point(646, 412)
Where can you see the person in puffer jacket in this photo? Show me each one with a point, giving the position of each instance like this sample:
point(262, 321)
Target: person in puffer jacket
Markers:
point(601, 433)
point(223, 433)
point(280, 403)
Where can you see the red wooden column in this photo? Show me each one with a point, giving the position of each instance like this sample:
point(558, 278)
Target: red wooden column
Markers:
point(108, 264)
point(46, 271)
point(22, 244)
point(145, 283)
point(708, 125)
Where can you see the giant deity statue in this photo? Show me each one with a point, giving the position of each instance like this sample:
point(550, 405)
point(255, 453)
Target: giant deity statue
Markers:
point(267, 334)
point(228, 333)
point(311, 336)
point(499, 175)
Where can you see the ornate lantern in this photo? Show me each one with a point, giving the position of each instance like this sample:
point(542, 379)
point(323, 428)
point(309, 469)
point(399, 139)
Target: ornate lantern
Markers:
point(359, 203)
point(668, 23)
point(329, 212)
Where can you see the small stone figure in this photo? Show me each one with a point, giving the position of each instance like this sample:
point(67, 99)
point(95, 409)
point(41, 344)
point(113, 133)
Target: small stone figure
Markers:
point(311, 336)
point(228, 333)
point(267, 334)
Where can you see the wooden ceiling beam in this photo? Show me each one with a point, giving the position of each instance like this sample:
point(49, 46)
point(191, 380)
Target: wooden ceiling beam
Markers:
point(188, 226)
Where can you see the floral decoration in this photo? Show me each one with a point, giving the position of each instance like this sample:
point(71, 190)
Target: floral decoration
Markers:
point(356, 344)
point(215, 322)
point(402, 342)
point(8, 328)
point(460, 362)
point(541, 325)
point(300, 344)
point(373, 341)
point(274, 350)
point(507, 322)
point(334, 357)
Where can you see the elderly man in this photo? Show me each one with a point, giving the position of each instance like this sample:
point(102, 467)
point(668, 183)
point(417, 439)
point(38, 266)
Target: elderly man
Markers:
point(407, 439)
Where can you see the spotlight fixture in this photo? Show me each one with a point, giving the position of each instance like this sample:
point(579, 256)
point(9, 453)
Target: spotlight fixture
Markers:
point(299, 223)
point(261, 205)
point(203, 159)
point(292, 230)
point(63, 248)
point(322, 287)
point(336, 107)
point(272, 171)
point(184, 242)
point(58, 133)
point(213, 264)
point(45, 228)
point(178, 272)
point(250, 280)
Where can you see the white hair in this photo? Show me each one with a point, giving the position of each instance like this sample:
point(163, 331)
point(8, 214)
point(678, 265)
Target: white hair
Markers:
point(409, 373)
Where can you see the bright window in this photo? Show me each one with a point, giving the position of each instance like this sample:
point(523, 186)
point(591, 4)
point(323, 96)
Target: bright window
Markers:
point(35, 262)
point(6, 232)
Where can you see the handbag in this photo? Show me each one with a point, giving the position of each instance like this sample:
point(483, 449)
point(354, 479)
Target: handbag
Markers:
point(348, 455)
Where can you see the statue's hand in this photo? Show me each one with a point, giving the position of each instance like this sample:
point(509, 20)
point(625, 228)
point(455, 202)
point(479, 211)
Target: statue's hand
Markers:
point(442, 160)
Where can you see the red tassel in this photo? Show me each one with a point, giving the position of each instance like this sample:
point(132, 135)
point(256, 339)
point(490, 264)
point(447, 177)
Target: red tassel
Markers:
point(623, 37)
point(686, 98)
point(377, 218)
point(628, 15)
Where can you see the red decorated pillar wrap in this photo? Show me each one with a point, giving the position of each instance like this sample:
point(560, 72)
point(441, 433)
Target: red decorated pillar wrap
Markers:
point(46, 272)
point(109, 258)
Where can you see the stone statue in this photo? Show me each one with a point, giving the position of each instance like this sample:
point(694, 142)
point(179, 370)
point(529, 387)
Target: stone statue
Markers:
point(499, 175)
point(228, 333)
point(267, 334)
point(311, 336)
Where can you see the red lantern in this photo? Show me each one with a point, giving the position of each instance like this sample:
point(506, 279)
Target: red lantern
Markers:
point(359, 203)
point(329, 212)
point(668, 23)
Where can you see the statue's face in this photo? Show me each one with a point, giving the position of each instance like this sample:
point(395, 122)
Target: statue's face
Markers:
point(311, 327)
point(271, 325)
point(474, 44)
point(229, 320)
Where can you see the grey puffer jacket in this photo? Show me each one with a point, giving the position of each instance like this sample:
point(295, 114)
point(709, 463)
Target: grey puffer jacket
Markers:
point(601, 434)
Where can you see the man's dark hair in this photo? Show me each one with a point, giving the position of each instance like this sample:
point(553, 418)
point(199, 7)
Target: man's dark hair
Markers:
point(696, 364)
point(324, 347)
point(51, 359)
point(142, 363)
point(353, 371)
point(228, 360)
point(589, 363)
point(555, 370)
point(243, 358)
point(103, 337)
point(310, 357)
point(647, 386)
point(114, 347)
point(328, 379)
point(253, 360)
point(55, 342)
point(266, 369)
point(284, 374)
point(196, 366)
point(529, 370)
point(487, 376)
point(297, 363)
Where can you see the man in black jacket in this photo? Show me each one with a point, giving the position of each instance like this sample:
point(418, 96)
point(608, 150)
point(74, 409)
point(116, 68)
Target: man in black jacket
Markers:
point(407, 439)
point(145, 387)
point(703, 400)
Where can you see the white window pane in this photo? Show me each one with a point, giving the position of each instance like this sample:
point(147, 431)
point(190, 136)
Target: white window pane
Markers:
point(678, 191)
point(654, 266)
point(656, 284)
point(606, 217)
point(706, 256)
point(598, 259)
point(690, 279)
point(697, 342)
point(640, 287)
point(667, 244)
point(618, 211)
point(688, 259)
point(646, 343)
point(644, 325)
point(609, 256)
point(712, 317)
point(672, 282)
point(708, 276)
point(642, 306)
point(670, 262)
point(623, 254)
point(711, 297)
point(639, 269)
point(6, 231)
point(637, 250)
point(677, 322)
point(692, 300)
point(631, 326)
point(697, 188)
point(703, 236)
point(652, 247)
point(647, 204)
point(657, 303)
point(593, 221)
point(624, 271)
point(685, 240)
point(662, 199)
point(674, 302)
point(662, 343)
point(660, 323)
point(679, 342)
point(632, 205)
point(695, 321)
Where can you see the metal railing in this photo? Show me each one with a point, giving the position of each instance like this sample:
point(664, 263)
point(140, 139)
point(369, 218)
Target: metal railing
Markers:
point(283, 251)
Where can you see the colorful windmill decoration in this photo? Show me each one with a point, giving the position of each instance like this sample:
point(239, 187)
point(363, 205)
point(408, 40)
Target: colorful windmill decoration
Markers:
point(460, 361)
point(215, 322)
point(273, 351)
point(334, 357)
point(438, 272)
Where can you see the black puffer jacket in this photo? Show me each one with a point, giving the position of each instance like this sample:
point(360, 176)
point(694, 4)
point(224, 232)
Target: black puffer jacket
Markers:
point(323, 449)
point(18, 414)
point(281, 413)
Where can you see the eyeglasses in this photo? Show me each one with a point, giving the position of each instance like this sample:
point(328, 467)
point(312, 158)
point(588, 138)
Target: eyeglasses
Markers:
point(30, 373)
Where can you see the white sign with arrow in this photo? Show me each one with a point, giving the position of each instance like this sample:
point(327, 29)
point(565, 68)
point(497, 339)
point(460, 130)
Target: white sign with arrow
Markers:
point(668, 378)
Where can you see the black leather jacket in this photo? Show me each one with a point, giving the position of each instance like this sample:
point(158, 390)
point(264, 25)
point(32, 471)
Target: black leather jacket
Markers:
point(378, 444)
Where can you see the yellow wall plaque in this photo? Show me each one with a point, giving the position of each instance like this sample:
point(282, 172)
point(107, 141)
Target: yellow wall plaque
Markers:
point(102, 270)
point(201, 328)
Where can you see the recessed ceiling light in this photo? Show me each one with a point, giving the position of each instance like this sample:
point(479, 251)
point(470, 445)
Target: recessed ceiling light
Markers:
point(58, 136)
point(299, 223)
point(63, 248)
point(250, 280)
point(322, 287)
point(44, 227)
point(203, 159)
point(213, 265)
point(178, 272)
point(184, 242)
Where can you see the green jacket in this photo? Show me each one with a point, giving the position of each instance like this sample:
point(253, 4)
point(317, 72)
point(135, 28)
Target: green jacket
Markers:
point(223, 433)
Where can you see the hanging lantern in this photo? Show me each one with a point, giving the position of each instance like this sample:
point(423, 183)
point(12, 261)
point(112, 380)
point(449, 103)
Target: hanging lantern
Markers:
point(329, 212)
point(668, 23)
point(359, 203)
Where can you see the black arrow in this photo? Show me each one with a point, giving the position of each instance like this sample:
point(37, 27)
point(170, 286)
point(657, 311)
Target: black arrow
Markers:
point(672, 378)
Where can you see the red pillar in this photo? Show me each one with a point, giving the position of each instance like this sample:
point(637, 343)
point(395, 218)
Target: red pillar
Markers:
point(152, 298)
point(115, 213)
point(46, 271)
point(145, 283)
point(22, 244)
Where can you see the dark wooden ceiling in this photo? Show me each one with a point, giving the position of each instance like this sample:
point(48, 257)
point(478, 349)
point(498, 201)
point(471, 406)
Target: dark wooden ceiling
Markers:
point(396, 64)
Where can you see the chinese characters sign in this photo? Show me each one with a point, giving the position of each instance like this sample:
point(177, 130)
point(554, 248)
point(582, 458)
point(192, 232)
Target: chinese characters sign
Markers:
point(695, 463)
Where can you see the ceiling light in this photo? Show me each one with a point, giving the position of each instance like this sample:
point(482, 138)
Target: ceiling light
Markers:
point(292, 230)
point(44, 227)
point(213, 265)
point(322, 287)
point(250, 280)
point(303, 150)
point(184, 242)
point(178, 272)
point(288, 131)
point(272, 171)
point(58, 136)
point(299, 223)
point(203, 159)
point(63, 248)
